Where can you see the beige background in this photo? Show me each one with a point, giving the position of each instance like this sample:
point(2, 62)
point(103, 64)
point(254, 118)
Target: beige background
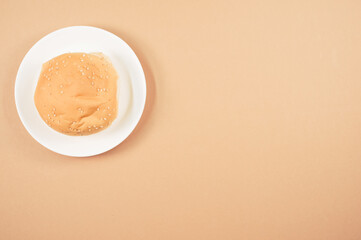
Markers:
point(252, 128)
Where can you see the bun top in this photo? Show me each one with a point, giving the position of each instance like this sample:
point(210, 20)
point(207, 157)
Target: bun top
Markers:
point(76, 93)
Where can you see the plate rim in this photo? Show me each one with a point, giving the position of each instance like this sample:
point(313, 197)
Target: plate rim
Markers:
point(140, 109)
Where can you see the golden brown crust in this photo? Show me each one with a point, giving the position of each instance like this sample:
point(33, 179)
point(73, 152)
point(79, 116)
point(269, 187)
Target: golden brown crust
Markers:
point(76, 93)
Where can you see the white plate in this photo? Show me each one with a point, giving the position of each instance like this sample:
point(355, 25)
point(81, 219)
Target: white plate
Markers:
point(131, 89)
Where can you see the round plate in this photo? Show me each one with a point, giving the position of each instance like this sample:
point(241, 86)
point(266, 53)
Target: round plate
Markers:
point(131, 89)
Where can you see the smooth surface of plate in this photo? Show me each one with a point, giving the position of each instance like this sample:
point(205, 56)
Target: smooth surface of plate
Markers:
point(131, 89)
